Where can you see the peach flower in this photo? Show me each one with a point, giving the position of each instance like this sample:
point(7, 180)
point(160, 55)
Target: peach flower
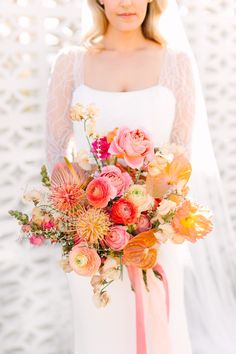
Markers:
point(191, 221)
point(137, 194)
point(83, 260)
point(175, 175)
point(134, 146)
point(100, 191)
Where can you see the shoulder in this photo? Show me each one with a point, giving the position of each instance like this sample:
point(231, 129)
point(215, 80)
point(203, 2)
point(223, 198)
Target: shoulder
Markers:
point(65, 58)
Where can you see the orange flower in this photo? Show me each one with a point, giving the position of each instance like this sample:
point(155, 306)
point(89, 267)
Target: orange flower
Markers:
point(140, 250)
point(191, 221)
point(111, 135)
point(92, 225)
point(175, 174)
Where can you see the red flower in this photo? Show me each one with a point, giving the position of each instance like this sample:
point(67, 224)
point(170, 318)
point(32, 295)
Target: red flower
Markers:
point(123, 212)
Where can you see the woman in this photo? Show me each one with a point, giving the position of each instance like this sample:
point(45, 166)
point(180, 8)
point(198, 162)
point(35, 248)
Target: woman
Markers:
point(126, 69)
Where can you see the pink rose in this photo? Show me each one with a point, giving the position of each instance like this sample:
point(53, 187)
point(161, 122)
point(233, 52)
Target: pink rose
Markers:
point(120, 180)
point(117, 238)
point(143, 224)
point(36, 240)
point(100, 191)
point(133, 146)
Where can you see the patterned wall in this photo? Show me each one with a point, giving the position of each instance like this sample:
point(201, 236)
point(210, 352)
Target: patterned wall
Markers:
point(34, 297)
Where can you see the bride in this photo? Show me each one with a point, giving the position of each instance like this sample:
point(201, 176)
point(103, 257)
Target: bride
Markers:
point(129, 71)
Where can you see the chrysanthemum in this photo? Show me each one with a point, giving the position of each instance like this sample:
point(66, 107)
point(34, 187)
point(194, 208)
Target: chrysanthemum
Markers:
point(66, 197)
point(92, 224)
point(191, 221)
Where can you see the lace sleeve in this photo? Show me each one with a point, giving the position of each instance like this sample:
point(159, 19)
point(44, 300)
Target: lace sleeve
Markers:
point(185, 102)
point(59, 129)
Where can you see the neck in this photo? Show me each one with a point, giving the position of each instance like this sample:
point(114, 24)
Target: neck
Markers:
point(123, 41)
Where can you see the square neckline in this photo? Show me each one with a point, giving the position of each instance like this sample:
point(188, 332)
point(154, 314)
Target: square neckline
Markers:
point(157, 85)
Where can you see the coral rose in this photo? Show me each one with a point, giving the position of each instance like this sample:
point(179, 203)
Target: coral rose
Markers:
point(117, 238)
point(83, 260)
point(123, 212)
point(134, 146)
point(100, 191)
point(120, 180)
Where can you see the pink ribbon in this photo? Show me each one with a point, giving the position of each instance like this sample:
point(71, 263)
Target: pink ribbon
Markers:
point(152, 309)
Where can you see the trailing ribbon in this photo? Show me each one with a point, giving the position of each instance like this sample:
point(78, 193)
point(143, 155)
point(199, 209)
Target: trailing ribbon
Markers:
point(154, 305)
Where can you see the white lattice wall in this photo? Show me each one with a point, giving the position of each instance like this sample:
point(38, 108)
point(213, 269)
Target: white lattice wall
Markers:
point(35, 304)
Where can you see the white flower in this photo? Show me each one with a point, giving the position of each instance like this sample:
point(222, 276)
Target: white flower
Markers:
point(91, 127)
point(65, 265)
point(166, 206)
point(165, 232)
point(77, 112)
point(101, 299)
point(110, 270)
point(32, 196)
point(82, 158)
point(173, 149)
point(92, 110)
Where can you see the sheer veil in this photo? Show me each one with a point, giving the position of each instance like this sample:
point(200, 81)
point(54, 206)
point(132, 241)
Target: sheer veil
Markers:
point(209, 281)
point(210, 293)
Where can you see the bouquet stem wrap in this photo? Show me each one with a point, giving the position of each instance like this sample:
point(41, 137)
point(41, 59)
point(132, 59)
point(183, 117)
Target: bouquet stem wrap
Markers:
point(152, 311)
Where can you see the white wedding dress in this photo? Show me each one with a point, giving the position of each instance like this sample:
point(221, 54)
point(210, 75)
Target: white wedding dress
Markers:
point(166, 111)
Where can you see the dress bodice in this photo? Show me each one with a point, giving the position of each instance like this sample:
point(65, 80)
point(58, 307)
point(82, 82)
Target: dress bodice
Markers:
point(152, 108)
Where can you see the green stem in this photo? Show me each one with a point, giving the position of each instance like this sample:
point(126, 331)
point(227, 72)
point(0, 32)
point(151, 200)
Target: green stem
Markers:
point(90, 146)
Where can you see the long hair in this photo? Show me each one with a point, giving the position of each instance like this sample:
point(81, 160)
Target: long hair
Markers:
point(150, 25)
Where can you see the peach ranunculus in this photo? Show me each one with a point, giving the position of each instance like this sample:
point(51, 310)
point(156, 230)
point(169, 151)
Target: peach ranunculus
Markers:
point(100, 191)
point(192, 221)
point(137, 194)
point(117, 237)
point(141, 250)
point(174, 176)
point(84, 260)
point(134, 146)
point(120, 180)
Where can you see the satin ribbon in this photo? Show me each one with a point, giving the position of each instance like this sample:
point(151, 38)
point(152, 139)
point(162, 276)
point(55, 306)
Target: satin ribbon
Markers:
point(154, 305)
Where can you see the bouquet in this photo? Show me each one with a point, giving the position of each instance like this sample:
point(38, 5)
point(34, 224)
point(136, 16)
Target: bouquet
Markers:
point(114, 205)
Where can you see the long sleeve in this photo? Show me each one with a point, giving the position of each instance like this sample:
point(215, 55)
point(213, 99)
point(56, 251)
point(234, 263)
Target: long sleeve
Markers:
point(59, 129)
point(185, 102)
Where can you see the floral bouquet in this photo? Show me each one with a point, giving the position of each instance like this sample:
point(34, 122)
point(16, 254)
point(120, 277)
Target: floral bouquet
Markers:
point(115, 205)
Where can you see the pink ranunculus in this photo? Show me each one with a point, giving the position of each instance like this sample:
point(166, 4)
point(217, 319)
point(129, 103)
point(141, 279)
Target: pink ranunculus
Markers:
point(100, 148)
point(117, 238)
point(143, 224)
point(84, 260)
point(120, 180)
point(100, 191)
point(133, 146)
point(36, 240)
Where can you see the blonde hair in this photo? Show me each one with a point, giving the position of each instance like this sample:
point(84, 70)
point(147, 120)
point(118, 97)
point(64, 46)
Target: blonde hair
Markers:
point(150, 28)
